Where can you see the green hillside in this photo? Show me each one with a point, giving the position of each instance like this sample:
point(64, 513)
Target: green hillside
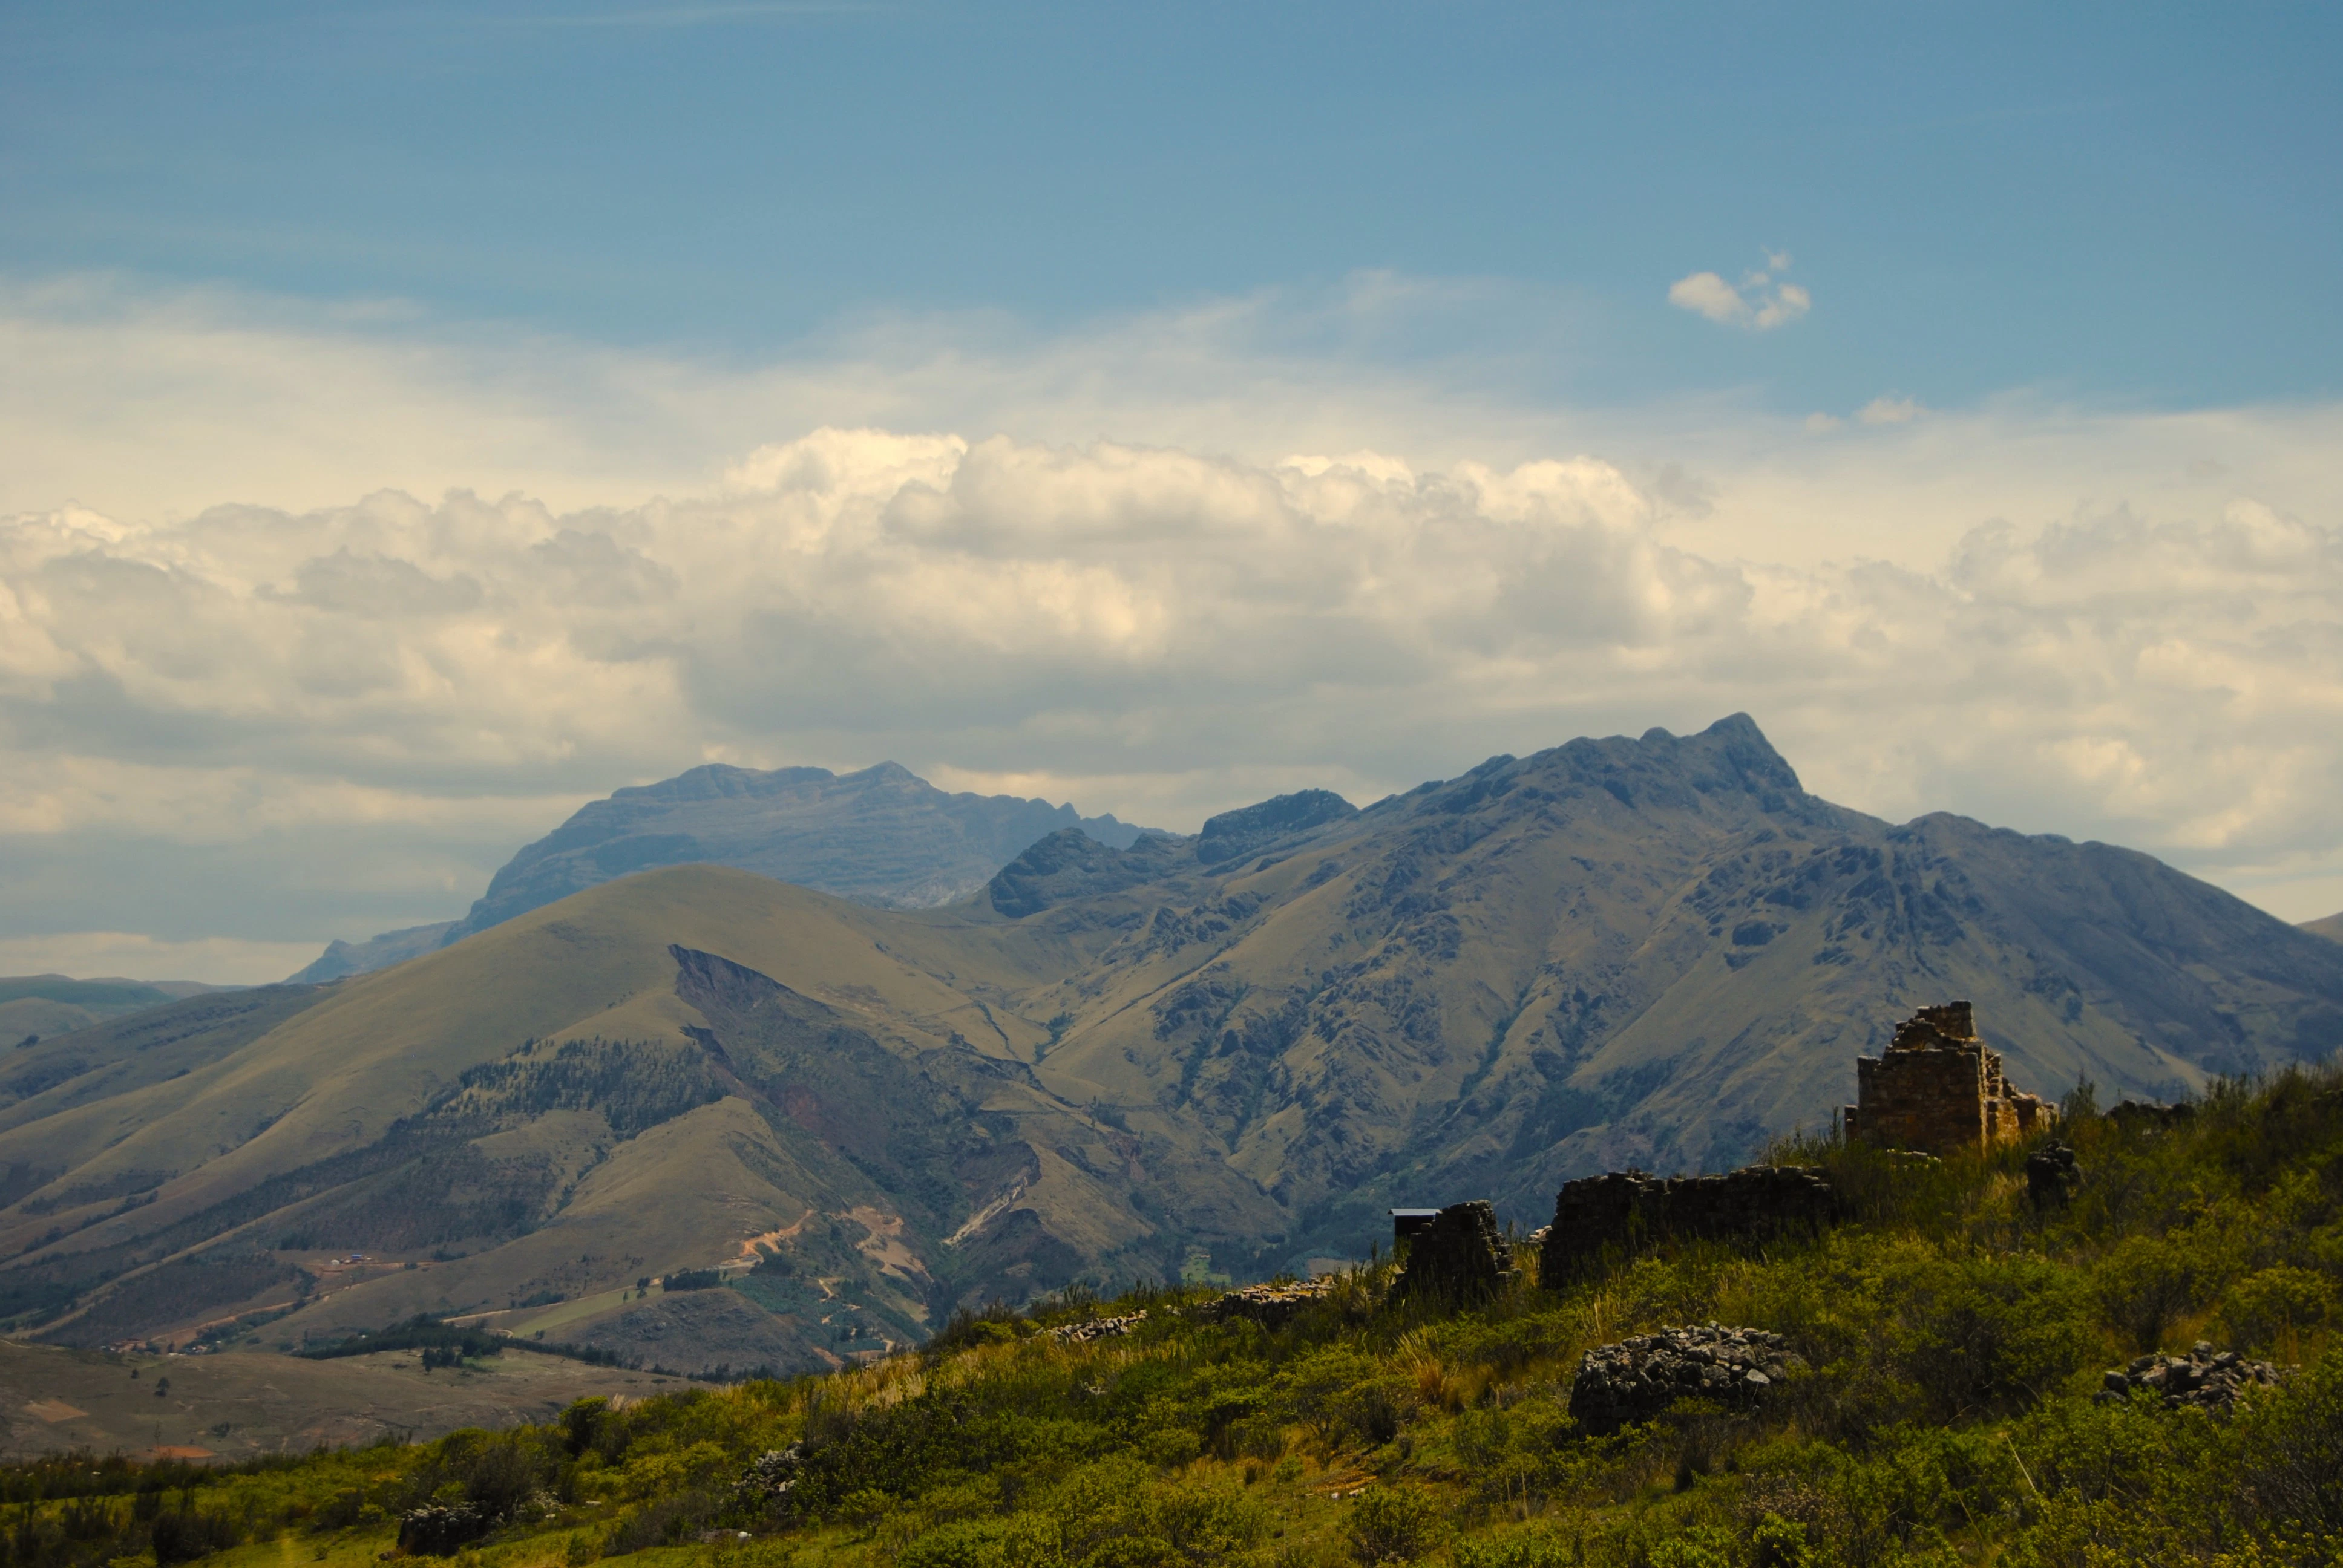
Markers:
point(1943, 1406)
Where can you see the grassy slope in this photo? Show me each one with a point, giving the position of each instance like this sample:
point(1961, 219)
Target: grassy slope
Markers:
point(2330, 926)
point(1955, 1339)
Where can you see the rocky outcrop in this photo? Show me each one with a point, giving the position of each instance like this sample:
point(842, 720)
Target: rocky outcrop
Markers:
point(1460, 1257)
point(1639, 1379)
point(2203, 1378)
point(1626, 1209)
point(1938, 1090)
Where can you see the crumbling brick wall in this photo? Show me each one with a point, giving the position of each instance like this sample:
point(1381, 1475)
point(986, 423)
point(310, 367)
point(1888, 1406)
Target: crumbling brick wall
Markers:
point(1938, 1090)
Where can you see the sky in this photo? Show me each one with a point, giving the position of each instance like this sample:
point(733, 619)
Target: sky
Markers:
point(421, 419)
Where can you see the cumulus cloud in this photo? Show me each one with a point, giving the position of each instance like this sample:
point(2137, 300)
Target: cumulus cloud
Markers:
point(336, 712)
point(1760, 302)
point(1145, 629)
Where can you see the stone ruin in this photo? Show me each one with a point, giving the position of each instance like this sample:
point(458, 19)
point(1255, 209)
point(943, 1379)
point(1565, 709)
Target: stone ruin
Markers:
point(1626, 1209)
point(1459, 1256)
point(1638, 1378)
point(1938, 1090)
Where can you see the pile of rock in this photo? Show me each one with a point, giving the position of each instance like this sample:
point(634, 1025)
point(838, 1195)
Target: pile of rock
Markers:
point(1089, 1329)
point(1460, 1256)
point(771, 1477)
point(2200, 1378)
point(1272, 1305)
point(1639, 1379)
point(1626, 1209)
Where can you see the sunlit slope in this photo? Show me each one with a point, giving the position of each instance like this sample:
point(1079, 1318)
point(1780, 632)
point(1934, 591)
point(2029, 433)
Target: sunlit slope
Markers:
point(340, 1073)
point(643, 1078)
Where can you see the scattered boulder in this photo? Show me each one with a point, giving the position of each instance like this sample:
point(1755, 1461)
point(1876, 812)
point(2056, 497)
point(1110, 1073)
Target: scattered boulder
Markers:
point(1638, 1378)
point(1460, 1256)
point(1272, 1305)
point(2052, 1176)
point(2201, 1378)
point(1627, 1209)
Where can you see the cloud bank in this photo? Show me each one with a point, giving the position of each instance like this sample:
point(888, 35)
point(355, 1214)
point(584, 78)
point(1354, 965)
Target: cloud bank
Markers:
point(472, 580)
point(1155, 631)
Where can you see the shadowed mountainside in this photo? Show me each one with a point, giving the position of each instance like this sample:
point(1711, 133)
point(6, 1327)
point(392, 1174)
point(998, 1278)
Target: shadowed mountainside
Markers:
point(1227, 1052)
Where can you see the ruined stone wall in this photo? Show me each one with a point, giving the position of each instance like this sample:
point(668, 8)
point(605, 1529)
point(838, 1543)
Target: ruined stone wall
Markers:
point(1460, 1256)
point(1938, 1090)
point(1628, 1210)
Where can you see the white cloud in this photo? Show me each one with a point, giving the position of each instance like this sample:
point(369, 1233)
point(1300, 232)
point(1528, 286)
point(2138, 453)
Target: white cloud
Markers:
point(1760, 302)
point(267, 722)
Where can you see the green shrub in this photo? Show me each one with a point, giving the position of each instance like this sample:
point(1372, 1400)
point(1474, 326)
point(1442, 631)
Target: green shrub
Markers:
point(1393, 1523)
point(2273, 1302)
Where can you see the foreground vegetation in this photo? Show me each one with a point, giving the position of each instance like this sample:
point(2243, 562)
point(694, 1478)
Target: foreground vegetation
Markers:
point(1956, 1335)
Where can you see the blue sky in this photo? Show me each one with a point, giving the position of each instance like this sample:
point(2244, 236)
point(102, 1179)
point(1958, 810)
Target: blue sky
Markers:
point(2129, 203)
point(419, 421)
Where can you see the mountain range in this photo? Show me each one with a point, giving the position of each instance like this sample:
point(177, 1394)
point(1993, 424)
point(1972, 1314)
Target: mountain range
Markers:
point(883, 836)
point(1221, 1054)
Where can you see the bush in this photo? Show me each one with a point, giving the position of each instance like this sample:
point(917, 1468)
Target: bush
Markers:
point(184, 1535)
point(1393, 1523)
point(2264, 1307)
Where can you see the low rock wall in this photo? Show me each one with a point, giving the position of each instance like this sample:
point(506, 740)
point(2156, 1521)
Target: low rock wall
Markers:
point(1628, 1210)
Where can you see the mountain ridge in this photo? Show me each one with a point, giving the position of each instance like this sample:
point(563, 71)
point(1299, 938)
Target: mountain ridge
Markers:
point(1110, 1063)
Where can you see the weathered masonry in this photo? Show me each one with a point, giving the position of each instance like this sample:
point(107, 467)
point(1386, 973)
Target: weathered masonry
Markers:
point(1937, 1088)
